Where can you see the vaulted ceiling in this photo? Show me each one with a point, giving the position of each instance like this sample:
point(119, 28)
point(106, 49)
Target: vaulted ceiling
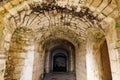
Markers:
point(54, 19)
point(104, 6)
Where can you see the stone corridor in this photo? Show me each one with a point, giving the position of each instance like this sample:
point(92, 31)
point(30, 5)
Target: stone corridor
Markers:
point(60, 76)
point(59, 39)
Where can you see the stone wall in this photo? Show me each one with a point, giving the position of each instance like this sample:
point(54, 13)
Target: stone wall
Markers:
point(23, 54)
point(105, 62)
point(112, 38)
point(2, 52)
point(39, 58)
point(81, 70)
point(20, 57)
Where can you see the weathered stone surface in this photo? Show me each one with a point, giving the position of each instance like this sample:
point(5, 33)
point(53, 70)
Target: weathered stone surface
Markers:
point(30, 29)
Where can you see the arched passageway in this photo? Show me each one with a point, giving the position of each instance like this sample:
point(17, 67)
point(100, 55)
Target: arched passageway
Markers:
point(46, 36)
point(59, 53)
point(59, 61)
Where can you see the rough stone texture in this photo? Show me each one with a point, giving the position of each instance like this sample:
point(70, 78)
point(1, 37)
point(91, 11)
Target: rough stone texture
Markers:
point(27, 27)
point(60, 76)
point(93, 55)
point(105, 61)
point(81, 72)
point(38, 69)
point(20, 56)
point(111, 37)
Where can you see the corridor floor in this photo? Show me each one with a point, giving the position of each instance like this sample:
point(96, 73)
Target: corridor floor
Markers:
point(60, 76)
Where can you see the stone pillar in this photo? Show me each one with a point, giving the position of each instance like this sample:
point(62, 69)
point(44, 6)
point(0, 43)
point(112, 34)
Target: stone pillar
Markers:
point(81, 72)
point(3, 56)
point(92, 66)
point(71, 61)
point(4, 48)
point(2, 64)
point(93, 60)
point(20, 55)
point(113, 41)
point(38, 68)
point(28, 64)
point(47, 63)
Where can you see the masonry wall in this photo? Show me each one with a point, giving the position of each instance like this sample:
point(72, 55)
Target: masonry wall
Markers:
point(20, 56)
point(39, 59)
point(112, 38)
point(81, 72)
point(106, 69)
point(2, 52)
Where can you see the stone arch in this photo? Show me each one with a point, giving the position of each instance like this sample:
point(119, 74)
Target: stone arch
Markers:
point(30, 16)
point(20, 53)
point(85, 18)
point(106, 36)
point(16, 16)
point(96, 9)
point(61, 44)
point(112, 48)
point(57, 56)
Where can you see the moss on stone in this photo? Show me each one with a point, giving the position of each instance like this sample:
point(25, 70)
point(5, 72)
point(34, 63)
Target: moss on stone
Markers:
point(117, 25)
